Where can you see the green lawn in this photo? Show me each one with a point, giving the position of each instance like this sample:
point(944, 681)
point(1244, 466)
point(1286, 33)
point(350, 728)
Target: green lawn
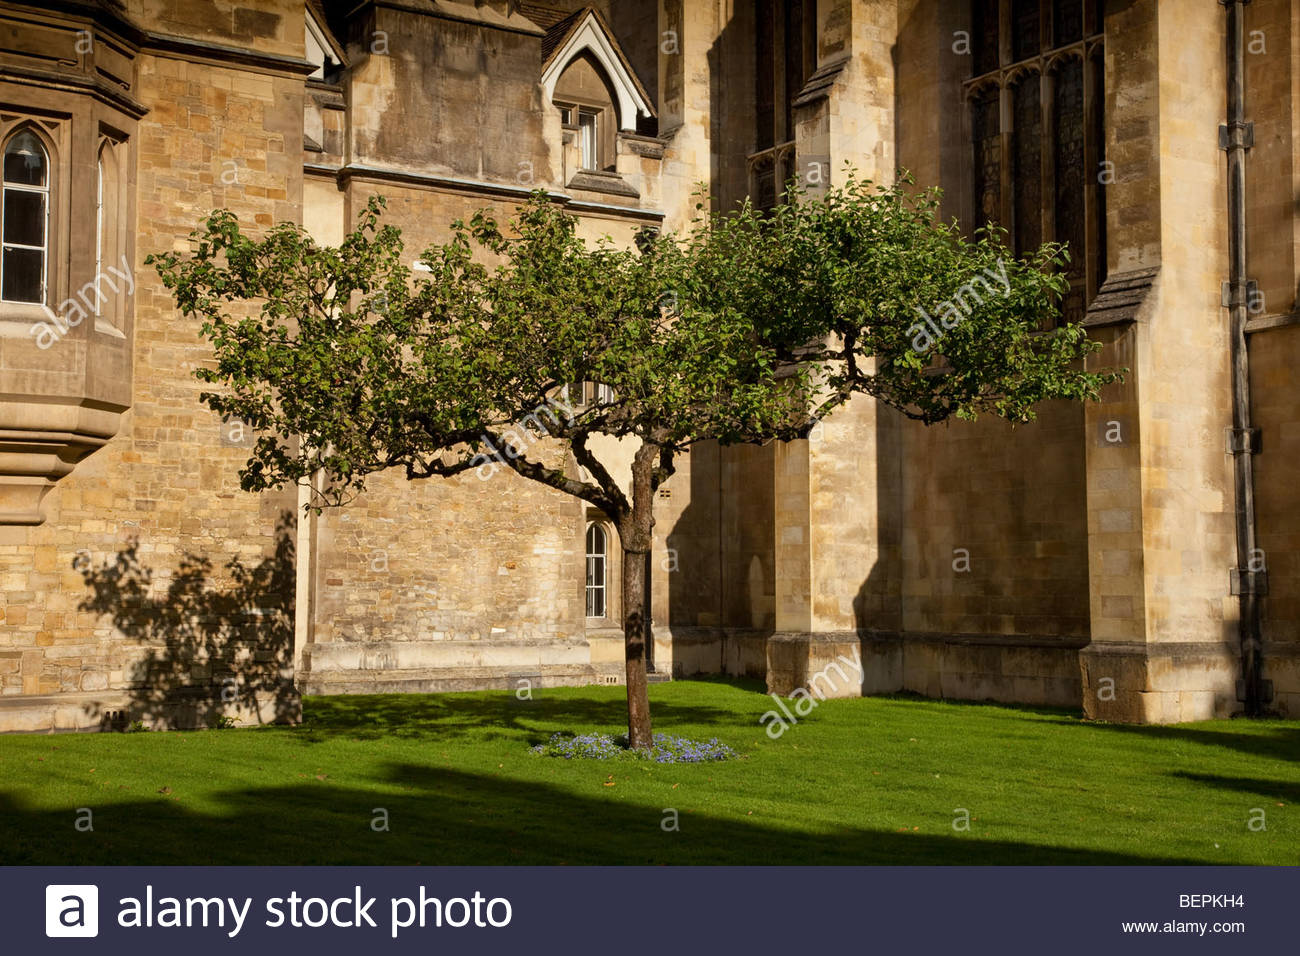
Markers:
point(876, 780)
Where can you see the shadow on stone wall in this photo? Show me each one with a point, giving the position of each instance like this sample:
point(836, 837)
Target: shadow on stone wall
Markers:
point(207, 650)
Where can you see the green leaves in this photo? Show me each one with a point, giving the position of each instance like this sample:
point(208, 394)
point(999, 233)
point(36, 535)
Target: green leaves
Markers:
point(749, 327)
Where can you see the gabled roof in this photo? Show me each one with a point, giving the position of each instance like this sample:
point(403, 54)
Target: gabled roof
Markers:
point(586, 31)
point(318, 25)
point(544, 16)
point(558, 32)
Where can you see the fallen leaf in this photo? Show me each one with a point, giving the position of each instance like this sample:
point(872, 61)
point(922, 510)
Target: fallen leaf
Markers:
point(164, 790)
point(609, 783)
point(321, 776)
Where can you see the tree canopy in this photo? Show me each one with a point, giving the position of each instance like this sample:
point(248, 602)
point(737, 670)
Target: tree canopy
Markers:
point(748, 326)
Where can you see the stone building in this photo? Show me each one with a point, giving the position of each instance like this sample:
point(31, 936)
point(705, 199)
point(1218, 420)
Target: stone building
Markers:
point(1108, 557)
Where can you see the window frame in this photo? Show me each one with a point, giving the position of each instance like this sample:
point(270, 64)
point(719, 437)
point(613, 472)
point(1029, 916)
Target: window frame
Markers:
point(602, 589)
point(589, 158)
point(110, 307)
point(997, 87)
point(571, 116)
point(47, 191)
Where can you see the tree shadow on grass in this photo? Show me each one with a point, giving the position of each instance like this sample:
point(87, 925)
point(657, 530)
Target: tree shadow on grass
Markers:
point(450, 817)
point(1273, 742)
point(500, 715)
point(206, 650)
point(1272, 789)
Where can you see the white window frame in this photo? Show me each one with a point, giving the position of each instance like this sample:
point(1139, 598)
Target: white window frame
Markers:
point(588, 138)
point(597, 589)
point(48, 193)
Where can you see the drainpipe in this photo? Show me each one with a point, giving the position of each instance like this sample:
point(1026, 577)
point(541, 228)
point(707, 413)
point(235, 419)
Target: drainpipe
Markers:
point(1248, 583)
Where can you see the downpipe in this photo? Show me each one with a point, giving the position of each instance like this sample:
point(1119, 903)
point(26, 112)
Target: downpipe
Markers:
point(1249, 582)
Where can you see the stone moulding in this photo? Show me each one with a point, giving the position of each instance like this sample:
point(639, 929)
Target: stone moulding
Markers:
point(819, 84)
point(611, 184)
point(41, 440)
point(1120, 298)
point(480, 188)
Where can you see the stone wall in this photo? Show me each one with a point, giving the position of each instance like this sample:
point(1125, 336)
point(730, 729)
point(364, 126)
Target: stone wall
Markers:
point(1048, 565)
point(156, 590)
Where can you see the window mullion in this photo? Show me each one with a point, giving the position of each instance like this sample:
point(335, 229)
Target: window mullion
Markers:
point(1091, 184)
point(1007, 185)
point(1047, 152)
point(1006, 32)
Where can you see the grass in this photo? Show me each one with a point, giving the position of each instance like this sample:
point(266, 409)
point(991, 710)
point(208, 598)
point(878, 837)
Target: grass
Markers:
point(875, 781)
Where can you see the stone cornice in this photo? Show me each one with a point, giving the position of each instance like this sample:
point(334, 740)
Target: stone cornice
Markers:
point(219, 54)
point(474, 187)
point(105, 93)
point(141, 40)
point(452, 11)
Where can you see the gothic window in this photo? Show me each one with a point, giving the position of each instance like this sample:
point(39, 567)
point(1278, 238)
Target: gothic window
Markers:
point(1036, 131)
point(1027, 166)
point(986, 133)
point(24, 251)
point(785, 57)
point(110, 233)
point(1026, 32)
point(597, 571)
point(984, 35)
point(586, 103)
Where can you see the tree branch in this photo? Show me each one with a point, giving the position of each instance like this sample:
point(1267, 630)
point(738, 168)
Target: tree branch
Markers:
point(514, 459)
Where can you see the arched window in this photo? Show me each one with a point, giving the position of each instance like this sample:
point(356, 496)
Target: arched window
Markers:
point(100, 230)
point(597, 569)
point(24, 244)
point(587, 107)
point(1036, 98)
point(109, 249)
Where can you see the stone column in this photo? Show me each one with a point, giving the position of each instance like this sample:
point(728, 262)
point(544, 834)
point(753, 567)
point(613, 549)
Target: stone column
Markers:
point(836, 514)
point(1160, 499)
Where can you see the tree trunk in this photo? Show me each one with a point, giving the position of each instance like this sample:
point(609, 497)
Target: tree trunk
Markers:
point(634, 640)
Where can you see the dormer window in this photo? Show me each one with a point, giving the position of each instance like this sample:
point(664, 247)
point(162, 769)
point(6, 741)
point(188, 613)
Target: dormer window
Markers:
point(587, 77)
point(586, 123)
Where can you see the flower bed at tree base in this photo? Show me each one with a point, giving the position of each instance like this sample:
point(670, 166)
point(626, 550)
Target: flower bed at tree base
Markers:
point(664, 748)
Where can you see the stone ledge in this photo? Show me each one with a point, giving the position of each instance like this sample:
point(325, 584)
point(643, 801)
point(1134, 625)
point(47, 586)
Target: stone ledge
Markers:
point(1037, 670)
point(444, 680)
point(1158, 683)
point(609, 184)
point(115, 710)
point(1120, 298)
